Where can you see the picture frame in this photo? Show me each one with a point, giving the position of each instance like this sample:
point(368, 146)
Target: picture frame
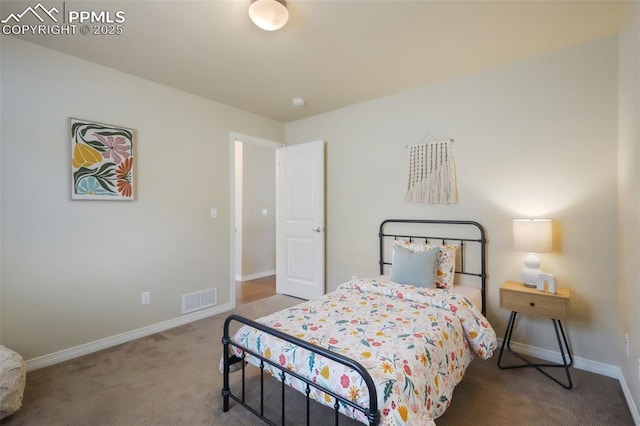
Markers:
point(103, 161)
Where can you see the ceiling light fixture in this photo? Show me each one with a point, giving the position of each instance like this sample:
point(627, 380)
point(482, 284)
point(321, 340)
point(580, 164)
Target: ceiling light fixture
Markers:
point(270, 15)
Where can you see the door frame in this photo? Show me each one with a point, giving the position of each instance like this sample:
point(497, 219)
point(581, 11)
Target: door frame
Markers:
point(233, 137)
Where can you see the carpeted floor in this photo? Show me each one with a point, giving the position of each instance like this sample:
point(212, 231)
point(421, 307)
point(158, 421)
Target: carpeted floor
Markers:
point(172, 378)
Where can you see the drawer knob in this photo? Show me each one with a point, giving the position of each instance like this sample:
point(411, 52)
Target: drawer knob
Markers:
point(532, 304)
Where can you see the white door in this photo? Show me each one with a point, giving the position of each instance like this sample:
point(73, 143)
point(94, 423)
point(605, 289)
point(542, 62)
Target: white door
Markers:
point(300, 222)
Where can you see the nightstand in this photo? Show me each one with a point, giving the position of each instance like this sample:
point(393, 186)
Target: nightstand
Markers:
point(517, 298)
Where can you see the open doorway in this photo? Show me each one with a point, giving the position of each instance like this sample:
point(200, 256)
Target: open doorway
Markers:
point(253, 220)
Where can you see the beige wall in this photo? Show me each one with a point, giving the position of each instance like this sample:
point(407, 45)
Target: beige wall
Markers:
point(629, 197)
point(536, 138)
point(258, 192)
point(73, 271)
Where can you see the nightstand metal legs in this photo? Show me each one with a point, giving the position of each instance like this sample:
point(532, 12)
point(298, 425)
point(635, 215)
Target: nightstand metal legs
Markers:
point(565, 352)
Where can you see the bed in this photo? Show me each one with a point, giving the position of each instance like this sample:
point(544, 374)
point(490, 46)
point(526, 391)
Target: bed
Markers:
point(387, 349)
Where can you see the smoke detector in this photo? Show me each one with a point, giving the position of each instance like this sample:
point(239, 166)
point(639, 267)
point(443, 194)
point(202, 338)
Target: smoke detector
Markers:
point(298, 102)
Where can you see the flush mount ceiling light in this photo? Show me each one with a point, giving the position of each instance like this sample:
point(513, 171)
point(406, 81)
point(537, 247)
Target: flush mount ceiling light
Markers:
point(270, 15)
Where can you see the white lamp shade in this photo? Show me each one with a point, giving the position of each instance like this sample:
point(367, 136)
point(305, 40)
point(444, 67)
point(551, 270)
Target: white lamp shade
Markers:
point(532, 235)
point(270, 15)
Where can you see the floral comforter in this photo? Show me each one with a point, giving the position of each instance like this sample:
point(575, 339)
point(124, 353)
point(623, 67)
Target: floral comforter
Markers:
point(415, 343)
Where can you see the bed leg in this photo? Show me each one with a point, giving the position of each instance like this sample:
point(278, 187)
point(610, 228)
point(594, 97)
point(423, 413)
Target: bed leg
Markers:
point(225, 369)
point(225, 400)
point(283, 376)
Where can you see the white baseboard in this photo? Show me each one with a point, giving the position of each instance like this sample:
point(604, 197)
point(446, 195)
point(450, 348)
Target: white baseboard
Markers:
point(630, 402)
point(97, 345)
point(581, 364)
point(255, 276)
point(553, 356)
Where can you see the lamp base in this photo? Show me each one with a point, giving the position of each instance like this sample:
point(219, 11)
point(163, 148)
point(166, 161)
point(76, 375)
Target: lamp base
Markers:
point(531, 270)
point(530, 276)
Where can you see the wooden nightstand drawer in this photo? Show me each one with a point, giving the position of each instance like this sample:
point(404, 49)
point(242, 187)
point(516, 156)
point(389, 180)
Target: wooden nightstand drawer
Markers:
point(516, 297)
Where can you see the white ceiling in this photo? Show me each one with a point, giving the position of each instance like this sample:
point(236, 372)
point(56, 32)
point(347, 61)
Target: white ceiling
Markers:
point(331, 53)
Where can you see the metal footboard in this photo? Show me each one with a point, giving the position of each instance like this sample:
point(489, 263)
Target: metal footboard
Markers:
point(371, 412)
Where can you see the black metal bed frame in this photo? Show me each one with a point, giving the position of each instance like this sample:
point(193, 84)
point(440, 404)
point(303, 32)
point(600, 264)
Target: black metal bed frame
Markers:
point(372, 412)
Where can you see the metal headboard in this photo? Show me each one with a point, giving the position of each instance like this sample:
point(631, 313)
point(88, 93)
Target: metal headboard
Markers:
point(464, 242)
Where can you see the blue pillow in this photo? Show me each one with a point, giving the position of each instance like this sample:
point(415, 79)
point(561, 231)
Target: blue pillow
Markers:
point(414, 267)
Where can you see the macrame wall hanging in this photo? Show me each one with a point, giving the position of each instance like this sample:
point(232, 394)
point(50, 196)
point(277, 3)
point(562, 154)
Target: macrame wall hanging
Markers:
point(432, 172)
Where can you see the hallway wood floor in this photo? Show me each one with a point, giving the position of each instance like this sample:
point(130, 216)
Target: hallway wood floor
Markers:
point(250, 291)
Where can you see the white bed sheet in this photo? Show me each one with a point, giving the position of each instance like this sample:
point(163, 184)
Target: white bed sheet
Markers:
point(472, 293)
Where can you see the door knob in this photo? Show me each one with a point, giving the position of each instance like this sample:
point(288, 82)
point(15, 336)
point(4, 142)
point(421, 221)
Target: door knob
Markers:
point(317, 229)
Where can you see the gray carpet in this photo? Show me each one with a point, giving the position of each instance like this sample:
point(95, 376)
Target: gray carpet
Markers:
point(172, 378)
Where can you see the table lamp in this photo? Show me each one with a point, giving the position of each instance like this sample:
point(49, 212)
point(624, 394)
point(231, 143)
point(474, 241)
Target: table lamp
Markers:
point(532, 236)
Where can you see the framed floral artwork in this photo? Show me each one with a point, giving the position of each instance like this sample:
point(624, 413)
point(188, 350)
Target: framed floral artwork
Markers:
point(102, 161)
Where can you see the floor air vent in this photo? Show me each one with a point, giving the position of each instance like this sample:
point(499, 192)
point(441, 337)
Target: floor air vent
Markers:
point(199, 300)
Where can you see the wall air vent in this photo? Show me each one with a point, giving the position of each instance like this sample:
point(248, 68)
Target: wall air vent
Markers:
point(199, 300)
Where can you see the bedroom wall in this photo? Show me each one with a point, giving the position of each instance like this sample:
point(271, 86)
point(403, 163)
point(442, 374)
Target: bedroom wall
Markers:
point(535, 138)
point(73, 271)
point(629, 197)
point(259, 192)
